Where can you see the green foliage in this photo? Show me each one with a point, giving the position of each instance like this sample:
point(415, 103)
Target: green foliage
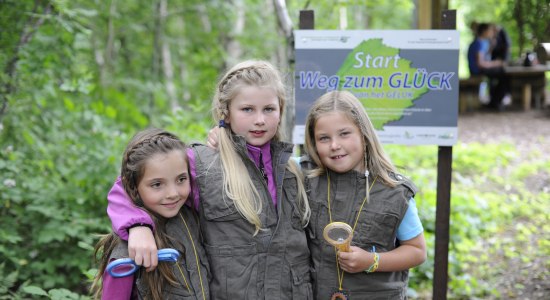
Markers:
point(361, 14)
point(486, 197)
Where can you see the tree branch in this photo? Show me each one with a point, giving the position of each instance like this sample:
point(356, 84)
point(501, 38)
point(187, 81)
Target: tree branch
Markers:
point(285, 23)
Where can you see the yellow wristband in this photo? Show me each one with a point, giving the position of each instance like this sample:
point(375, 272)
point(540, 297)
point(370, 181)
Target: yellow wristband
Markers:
point(374, 265)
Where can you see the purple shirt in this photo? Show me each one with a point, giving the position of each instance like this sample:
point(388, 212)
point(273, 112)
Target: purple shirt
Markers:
point(117, 288)
point(124, 214)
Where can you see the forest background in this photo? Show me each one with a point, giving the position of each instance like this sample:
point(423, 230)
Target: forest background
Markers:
point(79, 78)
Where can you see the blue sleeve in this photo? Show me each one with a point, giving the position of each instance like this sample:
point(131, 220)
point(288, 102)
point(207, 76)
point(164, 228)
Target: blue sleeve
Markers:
point(296, 159)
point(411, 226)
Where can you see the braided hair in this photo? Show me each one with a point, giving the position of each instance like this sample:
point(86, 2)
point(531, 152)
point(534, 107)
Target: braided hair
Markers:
point(247, 73)
point(143, 146)
point(140, 149)
point(237, 183)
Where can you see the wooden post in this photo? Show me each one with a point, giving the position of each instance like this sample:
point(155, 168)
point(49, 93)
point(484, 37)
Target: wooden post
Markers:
point(424, 15)
point(443, 206)
point(307, 21)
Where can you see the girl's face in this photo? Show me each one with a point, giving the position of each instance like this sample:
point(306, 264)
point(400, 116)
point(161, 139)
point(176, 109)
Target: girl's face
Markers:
point(255, 114)
point(165, 184)
point(339, 143)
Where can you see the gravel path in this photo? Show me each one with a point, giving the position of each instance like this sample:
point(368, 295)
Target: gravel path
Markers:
point(529, 130)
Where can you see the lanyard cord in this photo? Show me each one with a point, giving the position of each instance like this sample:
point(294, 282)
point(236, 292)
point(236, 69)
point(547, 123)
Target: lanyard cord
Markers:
point(196, 260)
point(341, 276)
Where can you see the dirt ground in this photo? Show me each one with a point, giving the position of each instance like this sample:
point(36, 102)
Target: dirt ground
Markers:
point(523, 128)
point(528, 131)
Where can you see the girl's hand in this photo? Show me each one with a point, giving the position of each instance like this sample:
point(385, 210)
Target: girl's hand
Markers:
point(409, 254)
point(142, 247)
point(357, 260)
point(212, 140)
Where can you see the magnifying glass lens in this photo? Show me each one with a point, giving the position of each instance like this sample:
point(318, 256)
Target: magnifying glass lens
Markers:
point(338, 234)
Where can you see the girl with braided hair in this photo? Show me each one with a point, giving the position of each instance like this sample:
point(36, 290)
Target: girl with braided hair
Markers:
point(351, 180)
point(155, 176)
point(250, 197)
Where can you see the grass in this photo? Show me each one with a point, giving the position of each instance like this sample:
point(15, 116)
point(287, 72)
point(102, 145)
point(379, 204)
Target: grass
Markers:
point(499, 221)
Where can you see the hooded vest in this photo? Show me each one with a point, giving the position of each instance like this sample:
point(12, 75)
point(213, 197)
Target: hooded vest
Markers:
point(376, 227)
point(274, 263)
point(176, 229)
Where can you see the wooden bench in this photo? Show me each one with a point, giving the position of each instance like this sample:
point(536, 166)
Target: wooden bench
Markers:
point(468, 93)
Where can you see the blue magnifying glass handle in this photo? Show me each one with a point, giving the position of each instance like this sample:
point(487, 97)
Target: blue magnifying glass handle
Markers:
point(168, 254)
point(122, 267)
point(126, 266)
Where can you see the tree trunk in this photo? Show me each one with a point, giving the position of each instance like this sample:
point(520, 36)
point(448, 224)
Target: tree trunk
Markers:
point(32, 24)
point(518, 13)
point(108, 55)
point(166, 57)
point(205, 20)
point(233, 46)
point(285, 27)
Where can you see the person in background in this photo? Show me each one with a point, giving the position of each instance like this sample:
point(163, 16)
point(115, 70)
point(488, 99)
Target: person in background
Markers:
point(501, 44)
point(481, 63)
point(250, 197)
point(350, 179)
point(155, 176)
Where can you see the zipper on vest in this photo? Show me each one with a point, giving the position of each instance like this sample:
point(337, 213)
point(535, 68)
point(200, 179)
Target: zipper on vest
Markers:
point(262, 170)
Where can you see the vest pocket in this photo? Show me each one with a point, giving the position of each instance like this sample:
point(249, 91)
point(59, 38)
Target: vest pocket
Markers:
point(221, 214)
point(377, 229)
point(234, 271)
point(301, 280)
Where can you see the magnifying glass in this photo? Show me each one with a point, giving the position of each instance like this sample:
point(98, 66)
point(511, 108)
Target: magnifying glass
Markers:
point(123, 267)
point(338, 234)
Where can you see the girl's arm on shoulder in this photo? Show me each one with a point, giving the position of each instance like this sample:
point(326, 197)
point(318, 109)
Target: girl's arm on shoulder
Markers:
point(123, 214)
point(132, 224)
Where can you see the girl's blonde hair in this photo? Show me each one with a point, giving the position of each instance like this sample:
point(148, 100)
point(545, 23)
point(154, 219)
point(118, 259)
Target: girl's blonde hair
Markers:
point(140, 149)
point(237, 183)
point(376, 161)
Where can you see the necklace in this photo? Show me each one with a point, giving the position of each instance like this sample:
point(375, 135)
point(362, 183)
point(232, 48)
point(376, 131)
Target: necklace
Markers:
point(196, 260)
point(340, 294)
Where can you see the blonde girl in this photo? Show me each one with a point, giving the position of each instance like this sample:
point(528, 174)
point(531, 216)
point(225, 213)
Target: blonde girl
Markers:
point(352, 180)
point(155, 175)
point(250, 197)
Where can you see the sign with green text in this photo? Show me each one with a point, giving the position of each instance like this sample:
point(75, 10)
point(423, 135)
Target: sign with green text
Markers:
point(407, 80)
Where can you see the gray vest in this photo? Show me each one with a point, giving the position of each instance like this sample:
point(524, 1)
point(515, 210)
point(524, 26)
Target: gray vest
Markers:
point(377, 226)
point(274, 264)
point(176, 229)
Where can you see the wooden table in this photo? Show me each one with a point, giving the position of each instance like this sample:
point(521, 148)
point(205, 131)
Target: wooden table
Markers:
point(527, 77)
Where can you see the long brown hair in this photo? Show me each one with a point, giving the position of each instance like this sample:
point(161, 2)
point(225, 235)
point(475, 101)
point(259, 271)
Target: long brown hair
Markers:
point(142, 147)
